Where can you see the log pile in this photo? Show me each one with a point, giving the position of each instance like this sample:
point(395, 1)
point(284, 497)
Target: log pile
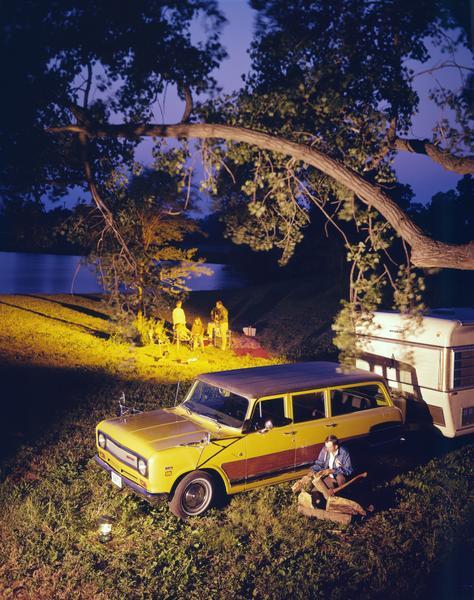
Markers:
point(338, 509)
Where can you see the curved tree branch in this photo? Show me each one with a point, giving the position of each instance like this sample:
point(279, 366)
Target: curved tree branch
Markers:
point(450, 162)
point(426, 252)
point(188, 109)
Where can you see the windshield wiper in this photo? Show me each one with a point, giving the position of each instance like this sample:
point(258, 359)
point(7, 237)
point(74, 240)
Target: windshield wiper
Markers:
point(212, 416)
point(188, 409)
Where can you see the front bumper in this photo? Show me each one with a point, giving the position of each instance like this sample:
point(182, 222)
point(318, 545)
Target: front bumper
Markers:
point(152, 498)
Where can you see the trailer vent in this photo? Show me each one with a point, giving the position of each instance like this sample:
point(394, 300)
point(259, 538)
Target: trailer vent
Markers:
point(463, 368)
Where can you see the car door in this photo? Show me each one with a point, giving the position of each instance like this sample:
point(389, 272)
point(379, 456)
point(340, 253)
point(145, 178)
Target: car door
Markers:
point(310, 424)
point(354, 410)
point(270, 452)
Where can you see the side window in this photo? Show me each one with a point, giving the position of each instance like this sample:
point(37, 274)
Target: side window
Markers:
point(307, 407)
point(264, 410)
point(349, 400)
point(380, 399)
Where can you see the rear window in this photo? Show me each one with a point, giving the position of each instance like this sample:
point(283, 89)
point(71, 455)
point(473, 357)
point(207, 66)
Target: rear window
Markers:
point(350, 400)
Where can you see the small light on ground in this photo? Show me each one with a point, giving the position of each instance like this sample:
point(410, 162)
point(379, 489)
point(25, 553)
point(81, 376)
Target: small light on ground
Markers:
point(105, 528)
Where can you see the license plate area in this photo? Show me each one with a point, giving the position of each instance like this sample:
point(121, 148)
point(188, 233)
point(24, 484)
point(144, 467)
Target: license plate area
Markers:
point(116, 479)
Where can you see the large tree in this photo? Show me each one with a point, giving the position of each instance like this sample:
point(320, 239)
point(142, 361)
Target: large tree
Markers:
point(115, 59)
point(329, 101)
point(153, 271)
point(330, 88)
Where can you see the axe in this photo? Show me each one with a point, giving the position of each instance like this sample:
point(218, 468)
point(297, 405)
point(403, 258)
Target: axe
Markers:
point(344, 485)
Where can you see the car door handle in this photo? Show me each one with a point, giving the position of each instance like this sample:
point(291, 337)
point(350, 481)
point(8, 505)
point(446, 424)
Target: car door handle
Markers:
point(290, 432)
point(332, 425)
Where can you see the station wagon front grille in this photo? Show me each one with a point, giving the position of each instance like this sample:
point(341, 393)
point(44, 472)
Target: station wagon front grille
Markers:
point(121, 454)
point(463, 368)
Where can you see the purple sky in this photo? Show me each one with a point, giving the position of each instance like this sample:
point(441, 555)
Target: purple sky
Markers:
point(425, 177)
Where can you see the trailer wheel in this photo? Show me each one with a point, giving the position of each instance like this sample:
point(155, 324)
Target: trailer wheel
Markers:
point(193, 495)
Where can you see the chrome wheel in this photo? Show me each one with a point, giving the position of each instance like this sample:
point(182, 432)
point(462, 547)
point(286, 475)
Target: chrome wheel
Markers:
point(197, 496)
point(193, 495)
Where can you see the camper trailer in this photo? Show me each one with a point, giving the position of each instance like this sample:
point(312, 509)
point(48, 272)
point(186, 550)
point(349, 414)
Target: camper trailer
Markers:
point(429, 361)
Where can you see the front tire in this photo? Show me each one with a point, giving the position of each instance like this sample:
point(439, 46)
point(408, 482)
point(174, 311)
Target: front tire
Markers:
point(193, 495)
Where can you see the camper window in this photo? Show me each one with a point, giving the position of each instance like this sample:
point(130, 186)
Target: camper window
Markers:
point(463, 368)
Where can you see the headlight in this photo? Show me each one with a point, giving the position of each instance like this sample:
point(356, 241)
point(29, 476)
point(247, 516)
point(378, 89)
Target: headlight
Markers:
point(142, 467)
point(101, 440)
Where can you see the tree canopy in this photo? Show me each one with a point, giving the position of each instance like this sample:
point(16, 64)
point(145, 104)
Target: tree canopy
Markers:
point(113, 59)
point(155, 267)
point(328, 102)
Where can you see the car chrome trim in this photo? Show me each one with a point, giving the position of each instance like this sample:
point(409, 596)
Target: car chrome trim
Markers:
point(129, 483)
point(120, 452)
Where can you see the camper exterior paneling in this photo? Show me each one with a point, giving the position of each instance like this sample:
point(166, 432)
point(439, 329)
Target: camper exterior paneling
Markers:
point(429, 360)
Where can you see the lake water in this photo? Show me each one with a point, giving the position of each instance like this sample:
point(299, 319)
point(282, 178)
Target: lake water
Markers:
point(23, 273)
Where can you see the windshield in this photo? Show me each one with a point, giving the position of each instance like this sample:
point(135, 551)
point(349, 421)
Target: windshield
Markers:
point(218, 404)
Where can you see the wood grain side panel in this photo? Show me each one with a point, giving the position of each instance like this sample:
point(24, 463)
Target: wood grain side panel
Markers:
point(269, 463)
point(235, 470)
point(307, 454)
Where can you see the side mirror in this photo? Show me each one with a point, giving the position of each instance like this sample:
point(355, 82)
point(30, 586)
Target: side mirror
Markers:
point(246, 426)
point(250, 427)
point(267, 427)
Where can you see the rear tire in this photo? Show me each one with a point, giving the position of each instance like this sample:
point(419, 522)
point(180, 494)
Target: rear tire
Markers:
point(193, 495)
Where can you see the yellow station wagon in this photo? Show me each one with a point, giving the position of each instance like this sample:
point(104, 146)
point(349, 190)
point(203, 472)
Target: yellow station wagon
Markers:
point(240, 429)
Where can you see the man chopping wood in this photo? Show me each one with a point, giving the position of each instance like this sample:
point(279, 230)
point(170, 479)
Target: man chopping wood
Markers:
point(333, 465)
point(326, 478)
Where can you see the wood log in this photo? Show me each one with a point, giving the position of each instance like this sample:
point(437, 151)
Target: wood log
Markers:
point(304, 499)
point(321, 487)
point(321, 474)
point(305, 483)
point(325, 515)
point(343, 505)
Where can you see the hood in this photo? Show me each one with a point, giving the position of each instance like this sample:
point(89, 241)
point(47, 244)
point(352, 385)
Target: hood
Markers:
point(152, 431)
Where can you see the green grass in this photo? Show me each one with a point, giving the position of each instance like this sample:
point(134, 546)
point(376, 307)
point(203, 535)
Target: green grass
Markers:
point(256, 546)
point(292, 317)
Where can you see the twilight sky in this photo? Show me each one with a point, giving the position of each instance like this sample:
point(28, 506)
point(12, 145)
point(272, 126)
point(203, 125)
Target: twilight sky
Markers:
point(424, 176)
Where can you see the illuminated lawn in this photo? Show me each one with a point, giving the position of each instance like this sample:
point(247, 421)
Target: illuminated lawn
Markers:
point(62, 372)
point(75, 332)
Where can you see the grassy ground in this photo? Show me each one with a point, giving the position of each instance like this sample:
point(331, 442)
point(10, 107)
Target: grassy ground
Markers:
point(292, 318)
point(61, 372)
point(75, 332)
point(54, 346)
